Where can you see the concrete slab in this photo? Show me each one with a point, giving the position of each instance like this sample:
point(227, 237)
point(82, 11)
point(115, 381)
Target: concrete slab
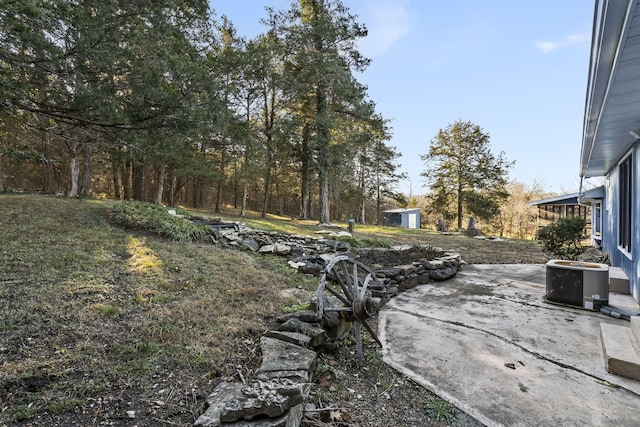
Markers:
point(618, 281)
point(487, 342)
point(620, 351)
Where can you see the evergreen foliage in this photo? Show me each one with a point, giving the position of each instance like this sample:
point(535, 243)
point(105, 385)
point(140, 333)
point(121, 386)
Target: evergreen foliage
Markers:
point(463, 173)
point(562, 238)
point(161, 102)
point(156, 220)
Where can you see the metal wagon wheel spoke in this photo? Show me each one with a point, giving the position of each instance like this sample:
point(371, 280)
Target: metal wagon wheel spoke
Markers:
point(349, 280)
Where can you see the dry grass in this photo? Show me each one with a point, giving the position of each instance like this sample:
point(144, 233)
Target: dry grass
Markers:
point(474, 251)
point(92, 315)
point(97, 320)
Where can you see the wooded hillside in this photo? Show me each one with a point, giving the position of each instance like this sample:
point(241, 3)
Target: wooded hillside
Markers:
point(165, 102)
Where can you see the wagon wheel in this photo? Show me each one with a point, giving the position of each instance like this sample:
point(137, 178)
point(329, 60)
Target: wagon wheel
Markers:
point(349, 280)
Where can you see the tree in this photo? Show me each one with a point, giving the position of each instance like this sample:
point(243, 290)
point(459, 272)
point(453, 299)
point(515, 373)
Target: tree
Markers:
point(517, 218)
point(462, 169)
point(322, 36)
point(92, 69)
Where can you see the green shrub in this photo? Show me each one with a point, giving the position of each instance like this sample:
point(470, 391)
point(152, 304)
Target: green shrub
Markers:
point(156, 220)
point(562, 238)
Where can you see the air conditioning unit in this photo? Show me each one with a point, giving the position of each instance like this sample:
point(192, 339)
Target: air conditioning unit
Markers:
point(578, 284)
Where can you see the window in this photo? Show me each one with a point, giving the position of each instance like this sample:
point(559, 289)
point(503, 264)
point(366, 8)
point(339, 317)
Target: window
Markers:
point(625, 182)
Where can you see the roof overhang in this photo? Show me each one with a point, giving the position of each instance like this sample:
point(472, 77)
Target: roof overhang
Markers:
point(563, 199)
point(595, 193)
point(612, 108)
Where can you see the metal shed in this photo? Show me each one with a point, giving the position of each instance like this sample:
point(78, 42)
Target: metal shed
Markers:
point(407, 218)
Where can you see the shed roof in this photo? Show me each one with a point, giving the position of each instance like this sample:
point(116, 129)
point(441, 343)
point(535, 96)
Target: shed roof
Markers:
point(401, 210)
point(571, 198)
point(564, 199)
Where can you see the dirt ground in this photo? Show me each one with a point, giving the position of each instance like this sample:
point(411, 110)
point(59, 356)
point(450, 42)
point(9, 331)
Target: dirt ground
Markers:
point(60, 370)
point(378, 396)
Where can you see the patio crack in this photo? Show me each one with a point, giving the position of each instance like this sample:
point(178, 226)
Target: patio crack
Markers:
point(558, 363)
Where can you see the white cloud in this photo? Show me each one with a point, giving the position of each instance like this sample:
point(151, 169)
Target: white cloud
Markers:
point(386, 24)
point(570, 40)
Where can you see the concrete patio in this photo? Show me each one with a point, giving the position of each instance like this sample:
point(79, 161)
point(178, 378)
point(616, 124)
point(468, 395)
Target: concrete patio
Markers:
point(489, 343)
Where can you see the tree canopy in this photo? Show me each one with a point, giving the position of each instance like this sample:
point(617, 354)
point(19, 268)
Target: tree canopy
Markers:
point(464, 174)
point(162, 101)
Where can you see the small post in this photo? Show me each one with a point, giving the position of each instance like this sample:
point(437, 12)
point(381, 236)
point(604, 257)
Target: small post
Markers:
point(351, 222)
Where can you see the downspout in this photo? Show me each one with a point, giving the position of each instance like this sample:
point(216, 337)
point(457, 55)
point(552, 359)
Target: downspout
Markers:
point(581, 194)
point(581, 202)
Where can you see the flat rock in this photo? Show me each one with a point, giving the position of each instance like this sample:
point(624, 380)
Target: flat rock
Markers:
point(302, 315)
point(297, 338)
point(302, 377)
point(292, 418)
point(224, 394)
point(270, 398)
point(278, 355)
point(318, 335)
point(443, 273)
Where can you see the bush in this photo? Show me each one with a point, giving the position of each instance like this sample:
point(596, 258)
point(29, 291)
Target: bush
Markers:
point(562, 238)
point(156, 220)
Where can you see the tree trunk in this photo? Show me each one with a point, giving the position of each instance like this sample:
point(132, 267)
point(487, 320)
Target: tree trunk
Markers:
point(218, 208)
point(459, 207)
point(195, 188)
point(219, 186)
point(127, 175)
point(85, 184)
point(305, 172)
point(243, 210)
point(267, 185)
point(74, 173)
point(172, 187)
point(235, 183)
point(3, 181)
point(74, 170)
point(115, 172)
point(323, 155)
point(138, 178)
point(162, 168)
point(49, 171)
point(378, 199)
point(361, 190)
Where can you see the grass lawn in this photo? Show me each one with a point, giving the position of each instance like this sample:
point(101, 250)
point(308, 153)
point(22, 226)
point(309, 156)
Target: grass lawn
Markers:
point(97, 321)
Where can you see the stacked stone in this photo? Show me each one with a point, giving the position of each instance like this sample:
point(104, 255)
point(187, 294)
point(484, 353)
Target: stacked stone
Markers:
point(276, 397)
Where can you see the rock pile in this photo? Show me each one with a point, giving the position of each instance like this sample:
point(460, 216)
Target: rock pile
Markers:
point(275, 398)
point(402, 267)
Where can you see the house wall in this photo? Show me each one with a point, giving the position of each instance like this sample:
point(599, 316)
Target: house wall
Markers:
point(610, 220)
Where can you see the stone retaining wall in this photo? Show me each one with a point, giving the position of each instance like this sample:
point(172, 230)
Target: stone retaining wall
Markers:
point(309, 254)
point(276, 397)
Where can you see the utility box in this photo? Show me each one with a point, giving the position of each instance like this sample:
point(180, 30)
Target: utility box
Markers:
point(579, 284)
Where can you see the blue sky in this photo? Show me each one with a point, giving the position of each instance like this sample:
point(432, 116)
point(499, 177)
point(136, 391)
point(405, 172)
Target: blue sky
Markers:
point(518, 69)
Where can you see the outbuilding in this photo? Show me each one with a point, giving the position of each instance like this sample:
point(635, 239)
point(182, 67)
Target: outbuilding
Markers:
point(407, 218)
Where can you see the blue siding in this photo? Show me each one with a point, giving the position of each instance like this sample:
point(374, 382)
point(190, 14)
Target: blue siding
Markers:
point(610, 218)
point(405, 218)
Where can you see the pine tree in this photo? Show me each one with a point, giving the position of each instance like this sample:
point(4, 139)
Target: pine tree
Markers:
point(461, 169)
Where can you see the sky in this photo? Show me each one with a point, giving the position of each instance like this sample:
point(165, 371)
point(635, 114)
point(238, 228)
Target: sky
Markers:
point(518, 69)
